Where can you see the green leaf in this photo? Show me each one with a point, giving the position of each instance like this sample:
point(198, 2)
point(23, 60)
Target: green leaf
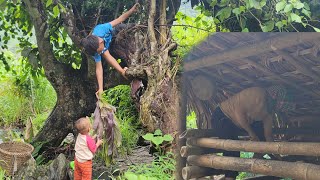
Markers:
point(224, 3)
point(148, 137)
point(298, 5)
point(279, 24)
point(242, 8)
point(255, 4)
point(306, 6)
point(288, 8)
point(56, 11)
point(263, 3)
point(213, 3)
point(224, 13)
point(157, 140)
point(236, 11)
point(280, 5)
point(245, 30)
point(158, 132)
point(295, 18)
point(71, 164)
point(167, 137)
point(306, 12)
point(49, 2)
point(316, 29)
point(268, 26)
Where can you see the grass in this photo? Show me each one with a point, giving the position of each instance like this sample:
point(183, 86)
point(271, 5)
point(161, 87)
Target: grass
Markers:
point(162, 167)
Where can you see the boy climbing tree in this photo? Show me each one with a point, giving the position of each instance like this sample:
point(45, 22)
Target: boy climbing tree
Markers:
point(97, 45)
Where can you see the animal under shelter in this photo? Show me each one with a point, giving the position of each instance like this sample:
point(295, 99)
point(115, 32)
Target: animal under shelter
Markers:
point(227, 63)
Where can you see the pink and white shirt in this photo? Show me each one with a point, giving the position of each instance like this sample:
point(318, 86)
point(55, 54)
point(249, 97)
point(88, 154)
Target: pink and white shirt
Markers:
point(85, 148)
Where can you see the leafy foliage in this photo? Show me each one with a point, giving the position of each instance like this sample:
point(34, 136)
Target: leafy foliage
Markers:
point(157, 138)
point(262, 15)
point(190, 31)
point(162, 167)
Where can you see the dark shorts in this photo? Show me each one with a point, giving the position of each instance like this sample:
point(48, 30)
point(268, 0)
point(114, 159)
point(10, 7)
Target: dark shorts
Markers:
point(224, 128)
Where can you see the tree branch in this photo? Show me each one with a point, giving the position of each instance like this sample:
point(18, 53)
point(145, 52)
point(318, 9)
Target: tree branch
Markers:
point(151, 33)
point(163, 20)
point(52, 67)
point(69, 24)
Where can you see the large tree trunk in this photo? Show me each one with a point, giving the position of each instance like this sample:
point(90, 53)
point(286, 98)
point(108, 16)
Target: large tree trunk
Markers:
point(146, 56)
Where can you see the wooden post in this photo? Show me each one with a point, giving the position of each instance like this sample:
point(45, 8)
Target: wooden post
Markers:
point(288, 148)
point(295, 170)
point(190, 172)
point(182, 126)
point(189, 150)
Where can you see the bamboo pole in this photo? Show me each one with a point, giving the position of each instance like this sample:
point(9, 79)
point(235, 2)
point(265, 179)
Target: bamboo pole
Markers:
point(189, 150)
point(182, 126)
point(295, 170)
point(197, 133)
point(288, 148)
point(191, 172)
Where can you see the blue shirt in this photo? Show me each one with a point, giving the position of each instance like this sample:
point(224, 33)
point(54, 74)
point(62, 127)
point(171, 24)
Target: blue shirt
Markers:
point(103, 31)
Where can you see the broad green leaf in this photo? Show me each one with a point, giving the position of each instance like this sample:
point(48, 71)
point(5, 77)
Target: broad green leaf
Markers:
point(224, 13)
point(306, 6)
point(245, 30)
point(316, 29)
point(288, 8)
point(280, 5)
point(268, 26)
point(148, 136)
point(56, 11)
point(295, 18)
point(71, 164)
point(49, 2)
point(157, 140)
point(167, 137)
point(306, 12)
point(158, 132)
point(242, 8)
point(236, 11)
point(298, 5)
point(279, 24)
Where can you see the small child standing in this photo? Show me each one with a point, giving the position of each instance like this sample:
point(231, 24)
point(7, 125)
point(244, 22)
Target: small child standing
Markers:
point(85, 148)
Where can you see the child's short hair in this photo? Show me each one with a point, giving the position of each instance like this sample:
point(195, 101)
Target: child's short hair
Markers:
point(82, 124)
point(90, 44)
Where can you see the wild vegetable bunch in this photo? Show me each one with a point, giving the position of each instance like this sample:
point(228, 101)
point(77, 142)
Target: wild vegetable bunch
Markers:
point(106, 127)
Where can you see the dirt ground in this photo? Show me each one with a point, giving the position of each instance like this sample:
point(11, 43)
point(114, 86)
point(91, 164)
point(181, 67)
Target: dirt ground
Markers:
point(139, 155)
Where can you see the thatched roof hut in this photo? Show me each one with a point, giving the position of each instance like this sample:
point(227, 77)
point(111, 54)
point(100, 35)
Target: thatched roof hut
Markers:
point(227, 63)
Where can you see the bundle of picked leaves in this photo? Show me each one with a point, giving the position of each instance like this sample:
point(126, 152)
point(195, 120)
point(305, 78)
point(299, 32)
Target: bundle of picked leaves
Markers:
point(106, 127)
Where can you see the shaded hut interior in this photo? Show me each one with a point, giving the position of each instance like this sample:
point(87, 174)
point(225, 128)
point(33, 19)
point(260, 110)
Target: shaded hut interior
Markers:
point(226, 63)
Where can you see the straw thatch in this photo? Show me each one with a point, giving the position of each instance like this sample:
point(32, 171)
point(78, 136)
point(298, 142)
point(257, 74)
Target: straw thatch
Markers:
point(227, 63)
